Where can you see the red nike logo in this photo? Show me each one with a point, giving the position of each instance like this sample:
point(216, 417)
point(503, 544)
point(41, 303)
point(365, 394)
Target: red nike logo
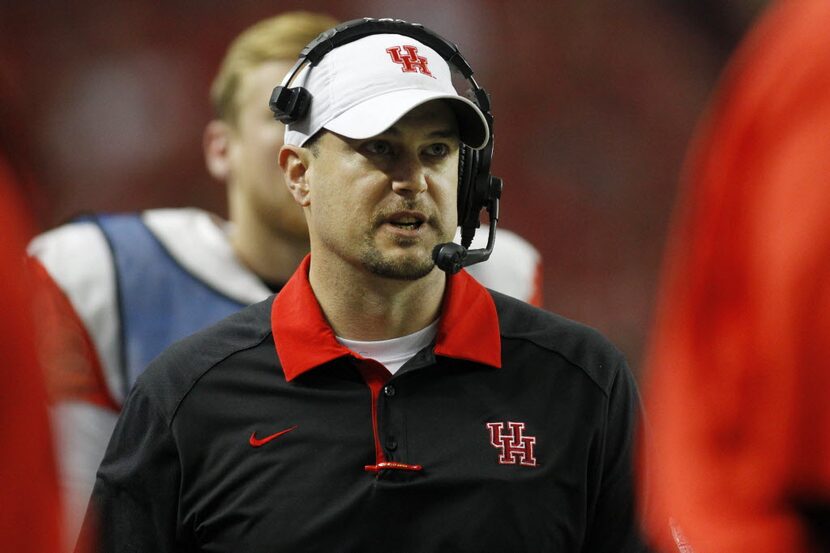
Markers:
point(258, 442)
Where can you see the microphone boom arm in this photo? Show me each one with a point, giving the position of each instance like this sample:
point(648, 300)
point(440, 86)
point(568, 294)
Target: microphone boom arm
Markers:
point(451, 257)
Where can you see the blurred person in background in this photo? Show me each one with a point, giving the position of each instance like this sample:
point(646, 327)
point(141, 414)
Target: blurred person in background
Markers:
point(135, 283)
point(738, 376)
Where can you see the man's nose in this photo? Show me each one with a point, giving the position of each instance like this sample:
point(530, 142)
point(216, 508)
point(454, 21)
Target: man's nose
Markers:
point(409, 176)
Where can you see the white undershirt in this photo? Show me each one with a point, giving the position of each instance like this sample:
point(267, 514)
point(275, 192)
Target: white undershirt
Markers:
point(393, 353)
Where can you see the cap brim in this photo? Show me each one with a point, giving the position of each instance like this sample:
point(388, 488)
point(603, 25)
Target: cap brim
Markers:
point(374, 115)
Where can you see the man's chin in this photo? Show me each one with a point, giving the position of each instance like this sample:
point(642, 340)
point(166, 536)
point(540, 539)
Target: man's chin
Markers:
point(399, 267)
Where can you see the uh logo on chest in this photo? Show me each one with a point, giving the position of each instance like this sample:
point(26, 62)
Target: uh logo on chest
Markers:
point(514, 446)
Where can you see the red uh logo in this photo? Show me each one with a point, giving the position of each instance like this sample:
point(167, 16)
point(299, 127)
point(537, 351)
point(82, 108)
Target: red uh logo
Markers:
point(411, 61)
point(515, 448)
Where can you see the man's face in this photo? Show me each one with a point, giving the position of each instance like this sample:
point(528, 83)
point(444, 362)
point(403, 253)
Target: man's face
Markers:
point(254, 143)
point(384, 202)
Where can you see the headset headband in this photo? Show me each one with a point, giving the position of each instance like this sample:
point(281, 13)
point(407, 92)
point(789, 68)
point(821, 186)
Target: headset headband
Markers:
point(356, 29)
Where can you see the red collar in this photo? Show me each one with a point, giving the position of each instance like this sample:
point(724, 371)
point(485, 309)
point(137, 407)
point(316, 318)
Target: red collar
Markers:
point(469, 326)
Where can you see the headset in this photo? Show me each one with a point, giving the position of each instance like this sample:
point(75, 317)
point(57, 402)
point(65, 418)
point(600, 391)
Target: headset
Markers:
point(477, 188)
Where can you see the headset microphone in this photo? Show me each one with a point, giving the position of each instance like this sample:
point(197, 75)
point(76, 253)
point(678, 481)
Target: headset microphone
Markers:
point(451, 257)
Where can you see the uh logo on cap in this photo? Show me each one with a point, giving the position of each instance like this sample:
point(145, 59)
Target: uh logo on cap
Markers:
point(410, 62)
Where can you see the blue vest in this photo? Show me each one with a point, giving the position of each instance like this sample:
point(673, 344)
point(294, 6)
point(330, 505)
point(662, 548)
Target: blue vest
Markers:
point(159, 301)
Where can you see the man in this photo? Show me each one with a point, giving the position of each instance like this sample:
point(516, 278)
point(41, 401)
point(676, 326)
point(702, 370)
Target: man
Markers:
point(377, 403)
point(739, 369)
point(132, 284)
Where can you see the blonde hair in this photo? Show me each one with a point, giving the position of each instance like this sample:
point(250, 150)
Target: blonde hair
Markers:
point(273, 39)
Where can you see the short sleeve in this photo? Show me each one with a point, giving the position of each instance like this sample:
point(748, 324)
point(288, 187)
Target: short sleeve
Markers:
point(614, 526)
point(134, 504)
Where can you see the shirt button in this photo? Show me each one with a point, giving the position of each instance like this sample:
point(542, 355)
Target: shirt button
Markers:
point(389, 390)
point(391, 444)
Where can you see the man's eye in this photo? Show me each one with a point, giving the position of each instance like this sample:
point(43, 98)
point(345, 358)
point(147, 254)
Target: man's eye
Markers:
point(378, 147)
point(437, 150)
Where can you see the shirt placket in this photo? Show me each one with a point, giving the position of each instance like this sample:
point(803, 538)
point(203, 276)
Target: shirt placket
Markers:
point(388, 420)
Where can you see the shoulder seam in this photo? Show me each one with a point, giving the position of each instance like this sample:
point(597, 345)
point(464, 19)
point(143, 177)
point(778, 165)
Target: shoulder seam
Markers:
point(211, 367)
point(614, 373)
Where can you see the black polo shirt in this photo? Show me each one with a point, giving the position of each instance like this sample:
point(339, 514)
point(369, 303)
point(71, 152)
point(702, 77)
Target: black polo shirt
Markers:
point(512, 433)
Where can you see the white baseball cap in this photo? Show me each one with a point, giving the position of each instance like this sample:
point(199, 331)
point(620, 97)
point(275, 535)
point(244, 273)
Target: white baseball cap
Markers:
point(362, 88)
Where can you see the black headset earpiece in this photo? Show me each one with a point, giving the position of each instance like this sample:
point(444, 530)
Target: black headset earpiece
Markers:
point(467, 171)
point(289, 104)
point(477, 189)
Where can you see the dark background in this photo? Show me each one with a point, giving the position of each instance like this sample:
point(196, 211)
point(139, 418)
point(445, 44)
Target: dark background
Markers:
point(595, 103)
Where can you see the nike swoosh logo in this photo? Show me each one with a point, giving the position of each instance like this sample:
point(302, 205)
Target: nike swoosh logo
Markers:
point(259, 442)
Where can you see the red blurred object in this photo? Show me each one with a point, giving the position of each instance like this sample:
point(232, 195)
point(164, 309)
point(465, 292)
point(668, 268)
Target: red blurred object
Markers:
point(29, 492)
point(739, 368)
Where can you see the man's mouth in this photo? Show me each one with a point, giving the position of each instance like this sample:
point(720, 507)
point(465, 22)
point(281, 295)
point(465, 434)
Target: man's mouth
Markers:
point(407, 221)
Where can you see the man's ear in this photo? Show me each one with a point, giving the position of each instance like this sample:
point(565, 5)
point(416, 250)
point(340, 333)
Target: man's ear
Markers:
point(216, 147)
point(294, 162)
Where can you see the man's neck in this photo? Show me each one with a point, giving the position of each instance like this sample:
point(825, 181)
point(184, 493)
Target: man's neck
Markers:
point(362, 306)
point(272, 256)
